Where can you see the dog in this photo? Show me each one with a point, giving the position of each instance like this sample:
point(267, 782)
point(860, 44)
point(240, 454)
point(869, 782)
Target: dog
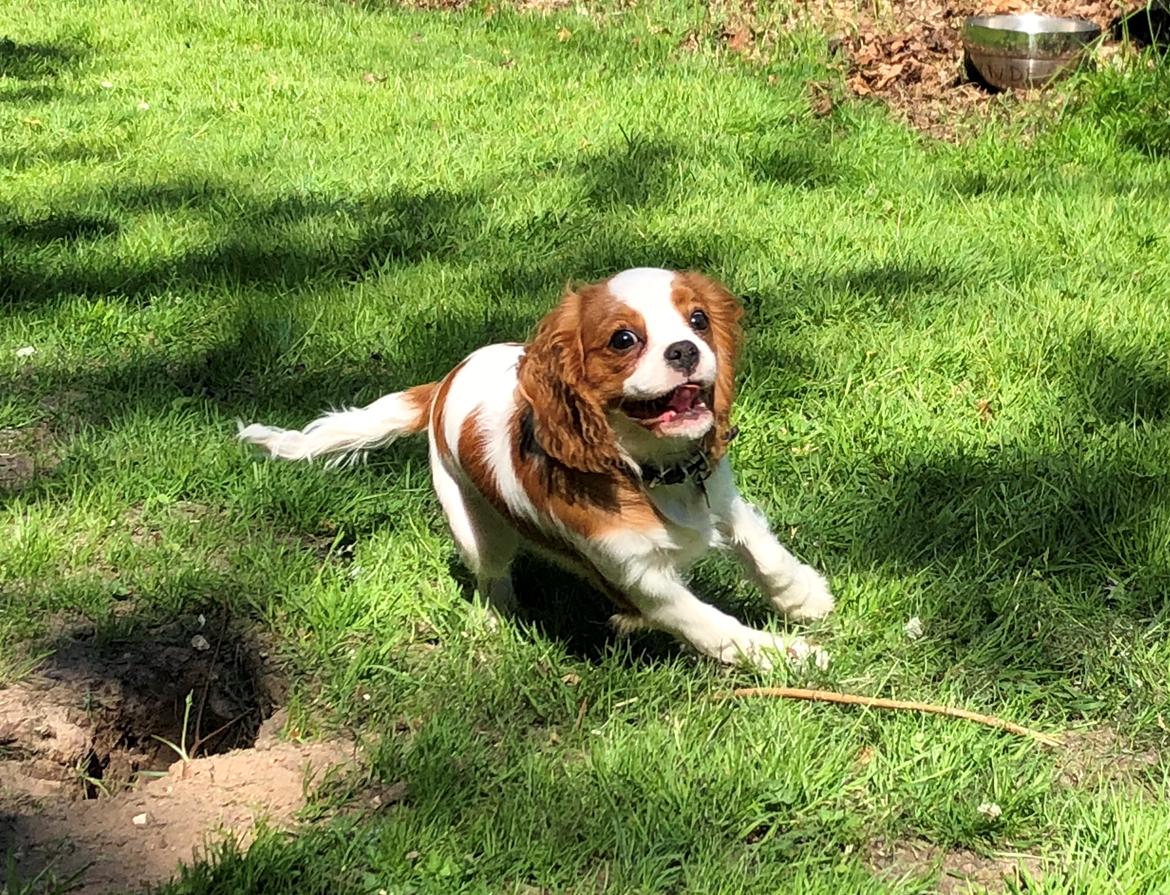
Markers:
point(601, 443)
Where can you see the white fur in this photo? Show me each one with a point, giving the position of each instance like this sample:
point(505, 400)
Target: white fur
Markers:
point(345, 434)
point(650, 567)
point(644, 446)
point(486, 385)
point(795, 589)
point(646, 565)
point(485, 540)
point(647, 290)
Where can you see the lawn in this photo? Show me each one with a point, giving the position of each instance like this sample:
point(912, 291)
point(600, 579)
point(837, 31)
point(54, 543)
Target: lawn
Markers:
point(955, 400)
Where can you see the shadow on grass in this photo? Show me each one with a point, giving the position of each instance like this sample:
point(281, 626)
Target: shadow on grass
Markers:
point(1082, 513)
point(613, 249)
point(911, 282)
point(37, 93)
point(1027, 182)
point(1012, 515)
point(259, 243)
point(1114, 384)
point(32, 61)
point(64, 227)
point(639, 173)
point(563, 607)
point(20, 159)
point(807, 169)
point(899, 290)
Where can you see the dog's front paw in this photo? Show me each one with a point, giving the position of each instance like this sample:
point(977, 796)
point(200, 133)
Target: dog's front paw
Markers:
point(805, 597)
point(801, 652)
point(763, 651)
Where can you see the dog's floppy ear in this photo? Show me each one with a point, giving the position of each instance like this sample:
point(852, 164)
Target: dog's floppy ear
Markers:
point(725, 312)
point(569, 422)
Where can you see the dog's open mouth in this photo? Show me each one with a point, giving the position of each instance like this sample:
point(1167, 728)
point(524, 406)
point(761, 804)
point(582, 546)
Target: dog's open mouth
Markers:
point(687, 402)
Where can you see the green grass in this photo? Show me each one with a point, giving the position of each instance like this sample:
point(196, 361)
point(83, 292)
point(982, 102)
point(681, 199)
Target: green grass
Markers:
point(272, 234)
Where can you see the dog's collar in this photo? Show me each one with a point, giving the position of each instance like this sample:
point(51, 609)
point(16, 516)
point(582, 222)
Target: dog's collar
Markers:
point(695, 468)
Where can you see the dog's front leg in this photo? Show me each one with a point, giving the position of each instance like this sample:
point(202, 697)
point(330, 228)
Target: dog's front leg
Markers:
point(667, 604)
point(796, 589)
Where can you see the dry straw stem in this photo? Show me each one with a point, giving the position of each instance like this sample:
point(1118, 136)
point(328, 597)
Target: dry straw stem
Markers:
point(879, 703)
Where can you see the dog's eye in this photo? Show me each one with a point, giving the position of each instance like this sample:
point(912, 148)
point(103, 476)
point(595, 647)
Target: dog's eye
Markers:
point(623, 340)
point(699, 321)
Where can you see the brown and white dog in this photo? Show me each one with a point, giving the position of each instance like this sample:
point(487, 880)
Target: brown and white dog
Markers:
point(601, 443)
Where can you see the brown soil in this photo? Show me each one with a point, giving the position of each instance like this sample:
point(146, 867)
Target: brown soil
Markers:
point(139, 837)
point(958, 870)
point(98, 707)
point(85, 788)
point(24, 454)
point(1100, 755)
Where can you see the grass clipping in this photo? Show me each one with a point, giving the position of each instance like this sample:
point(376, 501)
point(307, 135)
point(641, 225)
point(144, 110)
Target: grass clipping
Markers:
point(898, 704)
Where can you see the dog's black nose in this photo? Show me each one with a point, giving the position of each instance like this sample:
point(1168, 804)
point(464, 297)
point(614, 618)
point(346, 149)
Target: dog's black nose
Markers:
point(682, 356)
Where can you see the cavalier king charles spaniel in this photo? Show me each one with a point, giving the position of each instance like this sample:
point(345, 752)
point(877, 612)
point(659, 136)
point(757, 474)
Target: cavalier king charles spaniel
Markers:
point(602, 444)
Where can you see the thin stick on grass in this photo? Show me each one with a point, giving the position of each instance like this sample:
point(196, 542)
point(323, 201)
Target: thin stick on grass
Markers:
point(880, 703)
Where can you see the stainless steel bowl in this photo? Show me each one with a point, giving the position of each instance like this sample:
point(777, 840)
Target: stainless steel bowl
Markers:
point(1025, 50)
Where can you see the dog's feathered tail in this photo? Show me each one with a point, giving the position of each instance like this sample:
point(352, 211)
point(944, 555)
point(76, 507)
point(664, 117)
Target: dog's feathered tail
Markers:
point(345, 435)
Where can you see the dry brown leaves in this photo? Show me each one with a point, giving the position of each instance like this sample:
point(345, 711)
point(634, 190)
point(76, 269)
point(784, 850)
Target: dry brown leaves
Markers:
point(910, 55)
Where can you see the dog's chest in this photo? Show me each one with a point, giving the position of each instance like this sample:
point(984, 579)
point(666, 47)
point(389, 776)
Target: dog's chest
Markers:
point(690, 523)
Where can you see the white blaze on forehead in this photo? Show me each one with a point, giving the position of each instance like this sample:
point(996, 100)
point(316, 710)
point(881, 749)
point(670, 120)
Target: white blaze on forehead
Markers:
point(648, 290)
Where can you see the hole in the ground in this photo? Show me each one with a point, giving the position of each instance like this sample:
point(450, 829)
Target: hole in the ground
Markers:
point(91, 777)
point(106, 710)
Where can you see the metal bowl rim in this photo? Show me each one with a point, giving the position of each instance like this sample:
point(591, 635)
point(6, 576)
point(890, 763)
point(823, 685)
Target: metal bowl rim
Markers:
point(1007, 22)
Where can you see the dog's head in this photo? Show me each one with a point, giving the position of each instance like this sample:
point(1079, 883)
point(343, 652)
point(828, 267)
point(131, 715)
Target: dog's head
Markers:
point(639, 367)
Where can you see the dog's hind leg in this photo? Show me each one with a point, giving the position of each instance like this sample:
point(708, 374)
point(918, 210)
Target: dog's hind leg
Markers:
point(486, 541)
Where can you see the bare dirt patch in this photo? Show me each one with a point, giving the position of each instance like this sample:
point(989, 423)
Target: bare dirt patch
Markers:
point(1100, 755)
point(86, 785)
point(959, 871)
point(139, 837)
point(25, 453)
point(92, 718)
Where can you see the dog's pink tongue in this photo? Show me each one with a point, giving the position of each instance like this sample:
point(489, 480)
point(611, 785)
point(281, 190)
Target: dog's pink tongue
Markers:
point(684, 398)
